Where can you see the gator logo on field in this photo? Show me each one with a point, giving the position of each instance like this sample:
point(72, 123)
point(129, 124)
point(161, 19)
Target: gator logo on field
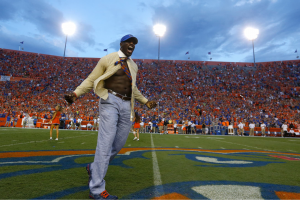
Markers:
point(241, 160)
point(62, 160)
point(218, 190)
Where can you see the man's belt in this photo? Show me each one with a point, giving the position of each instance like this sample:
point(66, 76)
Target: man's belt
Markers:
point(119, 95)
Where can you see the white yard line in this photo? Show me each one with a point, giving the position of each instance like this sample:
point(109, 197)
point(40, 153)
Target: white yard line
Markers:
point(159, 190)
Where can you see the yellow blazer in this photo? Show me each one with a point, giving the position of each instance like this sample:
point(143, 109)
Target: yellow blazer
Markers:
point(104, 69)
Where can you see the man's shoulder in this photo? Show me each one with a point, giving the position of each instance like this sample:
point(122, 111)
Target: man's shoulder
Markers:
point(111, 56)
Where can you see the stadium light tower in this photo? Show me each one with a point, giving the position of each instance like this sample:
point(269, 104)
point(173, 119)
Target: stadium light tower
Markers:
point(251, 34)
point(159, 30)
point(69, 29)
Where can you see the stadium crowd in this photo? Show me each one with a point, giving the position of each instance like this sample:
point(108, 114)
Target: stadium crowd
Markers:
point(188, 90)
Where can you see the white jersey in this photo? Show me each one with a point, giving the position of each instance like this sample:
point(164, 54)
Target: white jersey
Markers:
point(151, 125)
point(284, 127)
point(241, 125)
point(263, 126)
point(251, 125)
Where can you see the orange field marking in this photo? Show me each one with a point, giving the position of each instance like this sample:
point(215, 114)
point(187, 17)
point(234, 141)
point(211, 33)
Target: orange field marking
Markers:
point(44, 153)
point(125, 151)
point(288, 195)
point(173, 195)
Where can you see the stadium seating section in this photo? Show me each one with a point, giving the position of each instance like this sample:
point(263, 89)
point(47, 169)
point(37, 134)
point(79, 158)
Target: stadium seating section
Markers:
point(203, 92)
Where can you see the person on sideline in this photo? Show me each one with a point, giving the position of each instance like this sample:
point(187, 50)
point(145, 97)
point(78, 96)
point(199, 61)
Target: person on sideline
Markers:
point(136, 127)
point(114, 80)
point(241, 129)
point(251, 126)
point(142, 128)
point(95, 124)
point(203, 128)
point(55, 121)
point(263, 129)
point(175, 126)
point(284, 128)
point(7, 121)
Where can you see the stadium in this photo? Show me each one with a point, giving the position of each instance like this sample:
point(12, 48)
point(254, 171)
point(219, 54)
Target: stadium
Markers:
point(218, 130)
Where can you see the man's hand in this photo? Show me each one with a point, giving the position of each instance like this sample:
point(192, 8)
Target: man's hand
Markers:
point(70, 97)
point(151, 104)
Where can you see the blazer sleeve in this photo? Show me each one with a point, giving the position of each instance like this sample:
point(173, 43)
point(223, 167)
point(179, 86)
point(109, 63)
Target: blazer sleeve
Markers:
point(87, 85)
point(138, 95)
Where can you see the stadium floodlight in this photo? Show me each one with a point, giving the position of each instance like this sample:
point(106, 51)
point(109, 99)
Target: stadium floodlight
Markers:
point(68, 28)
point(159, 30)
point(251, 34)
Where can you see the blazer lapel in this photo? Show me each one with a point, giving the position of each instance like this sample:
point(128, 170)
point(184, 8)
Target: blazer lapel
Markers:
point(132, 71)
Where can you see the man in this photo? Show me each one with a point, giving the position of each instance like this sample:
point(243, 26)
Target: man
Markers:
point(193, 128)
point(263, 129)
point(142, 129)
point(165, 125)
point(95, 124)
point(189, 127)
point(241, 129)
point(78, 124)
point(150, 127)
point(154, 125)
point(252, 126)
point(25, 120)
point(7, 121)
point(114, 80)
point(15, 121)
point(175, 126)
point(203, 128)
point(284, 130)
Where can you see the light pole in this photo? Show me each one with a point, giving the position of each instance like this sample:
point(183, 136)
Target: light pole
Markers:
point(159, 30)
point(251, 34)
point(68, 28)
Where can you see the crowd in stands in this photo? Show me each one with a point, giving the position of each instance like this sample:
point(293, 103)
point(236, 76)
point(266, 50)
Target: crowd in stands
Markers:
point(185, 91)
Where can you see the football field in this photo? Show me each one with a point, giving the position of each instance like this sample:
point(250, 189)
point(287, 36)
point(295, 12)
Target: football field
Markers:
point(156, 167)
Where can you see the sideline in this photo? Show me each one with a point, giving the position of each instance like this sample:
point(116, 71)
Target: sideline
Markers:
point(8, 145)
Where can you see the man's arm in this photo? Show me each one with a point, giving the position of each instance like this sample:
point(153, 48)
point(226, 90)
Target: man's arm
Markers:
point(87, 85)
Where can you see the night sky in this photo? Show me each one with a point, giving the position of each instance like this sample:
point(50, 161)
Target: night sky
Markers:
point(194, 26)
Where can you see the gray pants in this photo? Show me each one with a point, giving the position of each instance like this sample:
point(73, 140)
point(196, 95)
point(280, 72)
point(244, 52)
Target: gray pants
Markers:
point(113, 131)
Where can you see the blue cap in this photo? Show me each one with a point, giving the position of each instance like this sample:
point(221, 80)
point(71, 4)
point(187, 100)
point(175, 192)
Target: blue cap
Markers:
point(126, 37)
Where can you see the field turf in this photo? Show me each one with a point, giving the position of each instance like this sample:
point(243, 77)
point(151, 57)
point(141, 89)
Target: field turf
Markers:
point(157, 166)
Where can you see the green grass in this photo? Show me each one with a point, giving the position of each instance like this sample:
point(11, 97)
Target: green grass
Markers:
point(174, 166)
